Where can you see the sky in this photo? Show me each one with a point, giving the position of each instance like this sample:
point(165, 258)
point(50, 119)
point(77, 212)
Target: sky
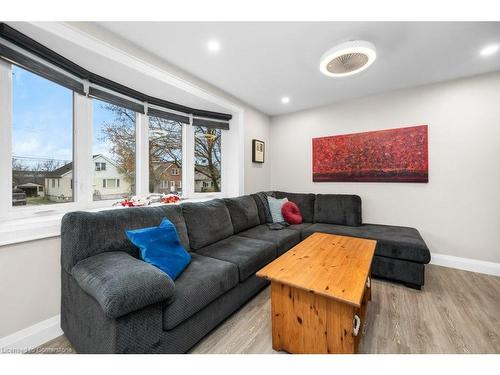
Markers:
point(42, 118)
point(100, 116)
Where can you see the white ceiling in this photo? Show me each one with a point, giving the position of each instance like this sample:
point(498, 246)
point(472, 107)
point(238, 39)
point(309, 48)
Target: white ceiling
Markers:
point(262, 62)
point(100, 63)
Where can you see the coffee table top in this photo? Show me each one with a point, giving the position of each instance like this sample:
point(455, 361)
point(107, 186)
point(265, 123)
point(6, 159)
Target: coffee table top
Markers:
point(325, 264)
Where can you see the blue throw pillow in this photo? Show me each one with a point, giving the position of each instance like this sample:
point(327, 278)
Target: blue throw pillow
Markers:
point(160, 246)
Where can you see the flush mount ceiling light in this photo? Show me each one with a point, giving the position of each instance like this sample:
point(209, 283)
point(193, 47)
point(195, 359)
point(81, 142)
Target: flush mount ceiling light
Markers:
point(285, 100)
point(489, 50)
point(213, 45)
point(347, 58)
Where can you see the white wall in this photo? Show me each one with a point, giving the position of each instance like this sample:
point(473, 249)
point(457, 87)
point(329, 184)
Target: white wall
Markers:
point(458, 211)
point(257, 175)
point(30, 288)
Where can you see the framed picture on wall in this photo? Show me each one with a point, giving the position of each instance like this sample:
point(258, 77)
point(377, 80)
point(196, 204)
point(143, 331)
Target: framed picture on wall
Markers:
point(258, 149)
point(391, 155)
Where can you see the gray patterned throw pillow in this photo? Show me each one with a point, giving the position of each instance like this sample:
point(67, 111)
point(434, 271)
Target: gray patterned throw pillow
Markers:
point(275, 208)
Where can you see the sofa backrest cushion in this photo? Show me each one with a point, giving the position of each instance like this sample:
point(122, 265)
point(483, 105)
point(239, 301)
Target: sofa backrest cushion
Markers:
point(207, 222)
point(305, 201)
point(173, 212)
point(338, 209)
point(243, 212)
point(84, 234)
point(262, 206)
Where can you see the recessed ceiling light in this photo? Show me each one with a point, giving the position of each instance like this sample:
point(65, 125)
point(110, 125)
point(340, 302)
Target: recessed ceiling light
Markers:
point(213, 45)
point(285, 100)
point(347, 58)
point(489, 50)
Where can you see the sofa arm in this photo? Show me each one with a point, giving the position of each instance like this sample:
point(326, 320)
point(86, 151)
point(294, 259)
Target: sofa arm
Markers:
point(121, 283)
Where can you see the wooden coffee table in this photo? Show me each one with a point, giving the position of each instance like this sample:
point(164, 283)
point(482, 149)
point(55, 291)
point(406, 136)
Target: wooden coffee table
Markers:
point(319, 293)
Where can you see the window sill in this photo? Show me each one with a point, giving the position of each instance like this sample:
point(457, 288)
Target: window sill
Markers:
point(48, 226)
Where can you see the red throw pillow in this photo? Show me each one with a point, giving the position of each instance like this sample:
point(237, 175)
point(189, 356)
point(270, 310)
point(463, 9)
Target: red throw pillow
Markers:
point(291, 213)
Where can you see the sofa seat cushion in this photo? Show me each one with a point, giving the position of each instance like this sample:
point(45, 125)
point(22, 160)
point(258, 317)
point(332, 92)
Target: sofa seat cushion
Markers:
point(204, 280)
point(392, 241)
point(249, 254)
point(284, 239)
point(300, 227)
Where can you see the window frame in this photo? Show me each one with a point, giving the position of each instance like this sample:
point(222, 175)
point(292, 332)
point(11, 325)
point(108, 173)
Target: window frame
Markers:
point(83, 163)
point(6, 105)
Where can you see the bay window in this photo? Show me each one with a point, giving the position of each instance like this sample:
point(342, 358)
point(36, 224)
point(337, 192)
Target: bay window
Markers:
point(72, 140)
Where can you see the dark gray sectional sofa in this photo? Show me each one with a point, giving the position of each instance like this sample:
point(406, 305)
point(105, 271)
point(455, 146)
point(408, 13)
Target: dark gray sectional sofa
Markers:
point(112, 302)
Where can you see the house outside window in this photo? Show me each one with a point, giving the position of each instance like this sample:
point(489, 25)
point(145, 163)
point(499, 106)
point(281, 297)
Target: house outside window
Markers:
point(175, 171)
point(114, 149)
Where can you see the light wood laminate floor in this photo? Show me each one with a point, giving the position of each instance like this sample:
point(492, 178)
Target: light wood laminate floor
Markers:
point(456, 312)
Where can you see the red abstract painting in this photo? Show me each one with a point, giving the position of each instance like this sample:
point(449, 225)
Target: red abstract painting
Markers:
point(394, 155)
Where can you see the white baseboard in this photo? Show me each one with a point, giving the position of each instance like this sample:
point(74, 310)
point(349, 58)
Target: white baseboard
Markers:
point(31, 337)
point(466, 264)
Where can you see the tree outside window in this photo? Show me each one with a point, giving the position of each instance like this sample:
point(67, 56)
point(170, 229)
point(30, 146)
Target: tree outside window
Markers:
point(207, 157)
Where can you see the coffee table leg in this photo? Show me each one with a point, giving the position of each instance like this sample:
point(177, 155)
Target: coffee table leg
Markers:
point(276, 316)
point(369, 287)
